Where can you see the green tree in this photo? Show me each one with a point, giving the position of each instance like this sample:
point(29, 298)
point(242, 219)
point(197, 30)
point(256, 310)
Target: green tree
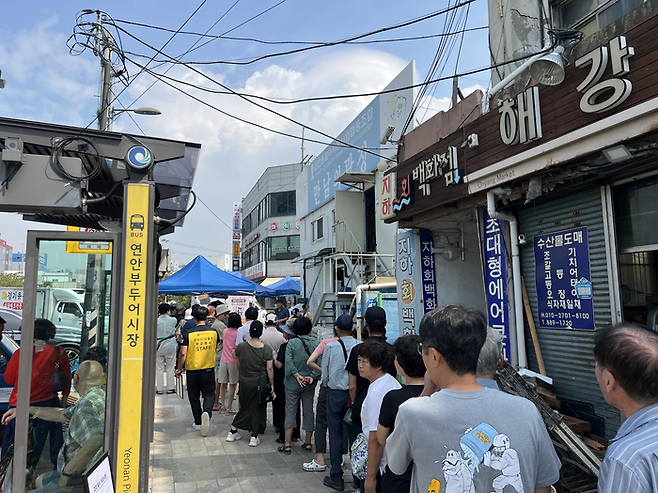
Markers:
point(11, 280)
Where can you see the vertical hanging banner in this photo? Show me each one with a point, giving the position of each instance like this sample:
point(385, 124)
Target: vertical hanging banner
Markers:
point(136, 253)
point(428, 270)
point(563, 280)
point(407, 277)
point(387, 194)
point(237, 234)
point(495, 266)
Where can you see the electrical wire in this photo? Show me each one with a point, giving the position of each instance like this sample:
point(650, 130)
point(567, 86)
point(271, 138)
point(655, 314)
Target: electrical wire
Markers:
point(331, 43)
point(234, 61)
point(188, 51)
point(262, 41)
point(167, 223)
point(329, 97)
point(60, 145)
point(213, 213)
point(142, 70)
point(449, 9)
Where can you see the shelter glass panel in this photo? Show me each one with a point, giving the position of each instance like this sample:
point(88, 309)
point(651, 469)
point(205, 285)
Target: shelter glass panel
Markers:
point(66, 430)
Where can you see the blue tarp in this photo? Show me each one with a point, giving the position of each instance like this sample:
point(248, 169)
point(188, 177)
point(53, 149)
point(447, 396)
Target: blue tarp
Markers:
point(200, 276)
point(287, 285)
point(259, 290)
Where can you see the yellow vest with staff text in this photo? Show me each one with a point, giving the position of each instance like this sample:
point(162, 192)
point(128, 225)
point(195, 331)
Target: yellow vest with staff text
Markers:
point(202, 342)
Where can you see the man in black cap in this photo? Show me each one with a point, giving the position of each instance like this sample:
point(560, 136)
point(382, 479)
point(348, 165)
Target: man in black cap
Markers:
point(336, 379)
point(282, 313)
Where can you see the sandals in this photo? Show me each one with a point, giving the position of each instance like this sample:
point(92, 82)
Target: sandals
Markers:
point(307, 446)
point(285, 449)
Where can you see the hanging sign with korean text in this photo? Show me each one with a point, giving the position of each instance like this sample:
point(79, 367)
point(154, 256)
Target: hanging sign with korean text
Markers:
point(407, 277)
point(562, 274)
point(495, 266)
point(428, 270)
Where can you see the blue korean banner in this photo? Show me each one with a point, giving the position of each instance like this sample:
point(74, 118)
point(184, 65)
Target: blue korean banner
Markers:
point(407, 278)
point(562, 276)
point(428, 271)
point(495, 266)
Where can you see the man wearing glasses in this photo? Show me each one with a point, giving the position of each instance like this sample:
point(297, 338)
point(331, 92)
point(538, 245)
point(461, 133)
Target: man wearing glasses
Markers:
point(467, 436)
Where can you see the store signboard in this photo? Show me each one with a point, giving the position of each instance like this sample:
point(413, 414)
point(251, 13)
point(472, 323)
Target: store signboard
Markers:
point(428, 268)
point(316, 184)
point(407, 272)
point(562, 276)
point(495, 266)
point(237, 234)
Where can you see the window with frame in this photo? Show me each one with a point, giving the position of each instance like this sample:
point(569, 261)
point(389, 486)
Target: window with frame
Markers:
point(590, 16)
point(282, 247)
point(317, 227)
point(282, 204)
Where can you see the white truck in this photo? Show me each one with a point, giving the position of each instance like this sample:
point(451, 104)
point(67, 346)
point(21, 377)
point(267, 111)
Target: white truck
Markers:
point(64, 307)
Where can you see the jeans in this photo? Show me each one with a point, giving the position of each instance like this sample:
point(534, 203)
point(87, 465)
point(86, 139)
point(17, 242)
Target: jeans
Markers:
point(201, 383)
point(41, 431)
point(336, 400)
point(51, 484)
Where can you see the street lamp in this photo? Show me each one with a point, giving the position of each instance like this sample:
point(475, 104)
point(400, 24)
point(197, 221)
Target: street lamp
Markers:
point(139, 111)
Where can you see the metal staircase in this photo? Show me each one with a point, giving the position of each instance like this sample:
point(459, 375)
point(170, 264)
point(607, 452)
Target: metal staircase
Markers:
point(340, 274)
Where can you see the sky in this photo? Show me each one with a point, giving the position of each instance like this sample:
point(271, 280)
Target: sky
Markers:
point(44, 82)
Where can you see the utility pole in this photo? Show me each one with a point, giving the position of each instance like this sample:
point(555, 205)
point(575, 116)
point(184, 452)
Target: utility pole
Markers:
point(104, 51)
point(95, 288)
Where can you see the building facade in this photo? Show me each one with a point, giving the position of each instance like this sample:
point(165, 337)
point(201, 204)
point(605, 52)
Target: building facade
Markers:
point(553, 192)
point(270, 231)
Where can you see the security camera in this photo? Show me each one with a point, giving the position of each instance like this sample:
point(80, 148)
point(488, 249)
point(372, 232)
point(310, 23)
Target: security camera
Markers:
point(387, 135)
point(13, 150)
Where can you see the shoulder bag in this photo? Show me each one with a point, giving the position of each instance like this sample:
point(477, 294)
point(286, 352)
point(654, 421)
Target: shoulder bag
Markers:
point(58, 379)
point(359, 456)
point(264, 391)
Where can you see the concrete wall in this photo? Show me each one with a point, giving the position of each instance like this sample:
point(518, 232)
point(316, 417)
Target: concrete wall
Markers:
point(515, 30)
point(307, 245)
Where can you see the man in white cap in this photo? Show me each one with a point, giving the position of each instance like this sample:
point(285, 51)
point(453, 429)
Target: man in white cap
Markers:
point(221, 315)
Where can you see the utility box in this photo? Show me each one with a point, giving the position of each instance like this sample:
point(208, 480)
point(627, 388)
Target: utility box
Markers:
point(34, 187)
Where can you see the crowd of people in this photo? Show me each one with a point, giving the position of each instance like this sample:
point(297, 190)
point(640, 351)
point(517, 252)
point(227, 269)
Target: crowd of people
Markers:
point(422, 414)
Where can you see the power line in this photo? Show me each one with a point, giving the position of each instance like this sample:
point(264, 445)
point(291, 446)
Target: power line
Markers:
point(318, 43)
point(338, 42)
point(142, 70)
point(464, 74)
point(188, 51)
point(213, 213)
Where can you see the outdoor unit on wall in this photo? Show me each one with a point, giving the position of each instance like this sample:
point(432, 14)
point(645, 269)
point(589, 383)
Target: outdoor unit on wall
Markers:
point(29, 183)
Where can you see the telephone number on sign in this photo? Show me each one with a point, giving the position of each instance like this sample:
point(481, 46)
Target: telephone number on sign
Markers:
point(555, 323)
point(565, 316)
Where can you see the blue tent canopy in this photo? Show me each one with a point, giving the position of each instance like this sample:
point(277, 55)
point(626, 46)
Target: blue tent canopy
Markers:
point(201, 276)
point(259, 290)
point(287, 285)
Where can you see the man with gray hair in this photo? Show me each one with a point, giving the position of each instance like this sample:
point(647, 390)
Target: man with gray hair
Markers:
point(491, 359)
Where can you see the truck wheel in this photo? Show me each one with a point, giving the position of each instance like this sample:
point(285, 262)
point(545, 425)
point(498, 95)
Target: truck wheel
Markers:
point(72, 352)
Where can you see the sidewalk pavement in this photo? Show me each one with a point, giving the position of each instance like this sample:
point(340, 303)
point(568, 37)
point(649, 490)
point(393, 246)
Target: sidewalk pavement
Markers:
point(182, 461)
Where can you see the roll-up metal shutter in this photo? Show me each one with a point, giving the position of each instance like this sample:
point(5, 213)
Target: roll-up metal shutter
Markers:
point(568, 353)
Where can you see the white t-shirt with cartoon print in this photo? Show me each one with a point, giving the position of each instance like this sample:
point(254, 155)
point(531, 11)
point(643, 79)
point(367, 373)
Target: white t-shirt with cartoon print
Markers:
point(473, 442)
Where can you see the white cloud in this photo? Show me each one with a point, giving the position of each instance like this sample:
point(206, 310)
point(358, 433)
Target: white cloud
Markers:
point(45, 83)
point(234, 154)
